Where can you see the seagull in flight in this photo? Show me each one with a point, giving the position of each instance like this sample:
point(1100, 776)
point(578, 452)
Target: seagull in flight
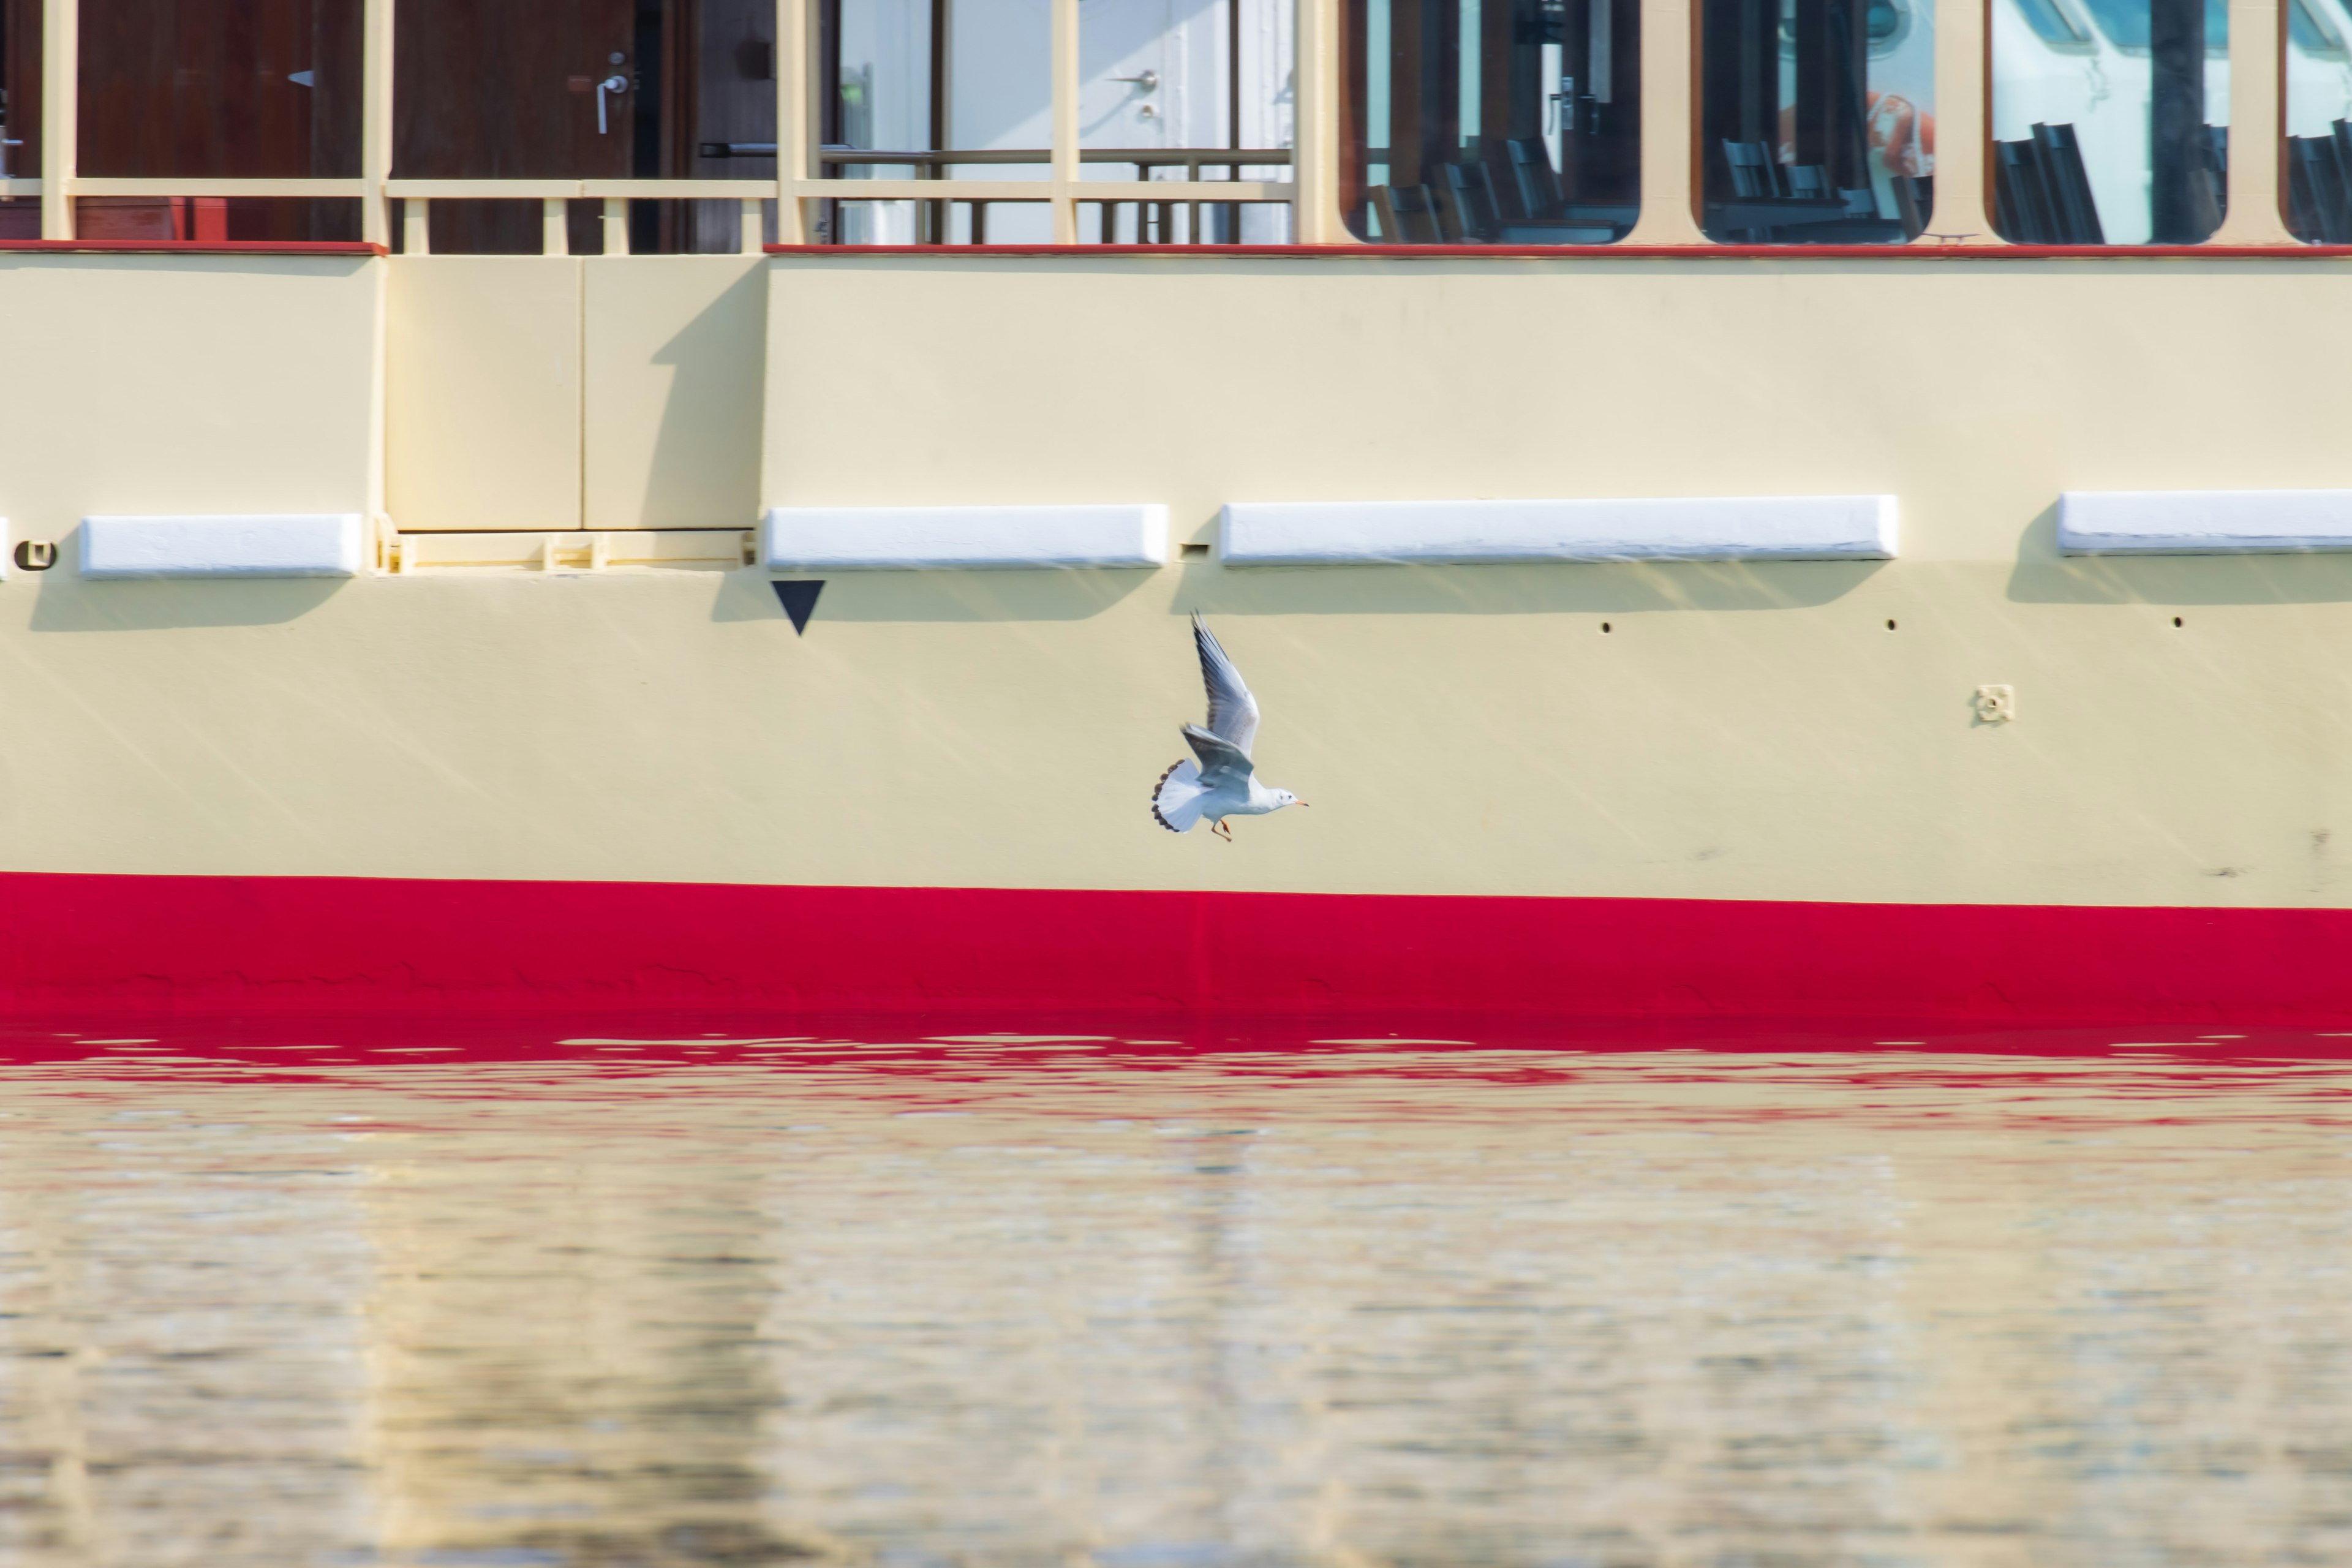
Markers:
point(1218, 781)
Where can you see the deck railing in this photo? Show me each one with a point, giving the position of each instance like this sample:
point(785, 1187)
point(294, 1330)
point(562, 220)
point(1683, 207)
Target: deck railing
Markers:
point(805, 181)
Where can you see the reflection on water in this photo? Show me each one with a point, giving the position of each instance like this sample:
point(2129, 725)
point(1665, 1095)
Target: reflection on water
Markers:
point(621, 1303)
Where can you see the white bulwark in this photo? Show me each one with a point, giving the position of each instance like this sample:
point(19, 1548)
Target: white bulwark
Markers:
point(1711, 528)
point(2202, 523)
point(941, 538)
point(296, 544)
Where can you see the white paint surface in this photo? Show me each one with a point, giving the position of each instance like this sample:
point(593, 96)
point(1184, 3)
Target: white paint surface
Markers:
point(2203, 523)
point(288, 544)
point(917, 538)
point(1750, 528)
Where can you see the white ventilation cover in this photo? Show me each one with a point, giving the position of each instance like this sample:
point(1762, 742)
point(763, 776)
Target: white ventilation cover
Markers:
point(285, 544)
point(916, 538)
point(1745, 528)
point(2202, 523)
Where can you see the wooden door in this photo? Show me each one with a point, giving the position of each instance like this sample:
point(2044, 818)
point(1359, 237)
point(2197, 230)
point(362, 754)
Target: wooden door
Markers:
point(511, 89)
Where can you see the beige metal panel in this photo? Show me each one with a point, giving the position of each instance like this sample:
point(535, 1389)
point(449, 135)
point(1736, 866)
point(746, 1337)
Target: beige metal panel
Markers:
point(1975, 390)
point(376, 127)
point(675, 355)
point(1741, 731)
point(1669, 150)
point(2257, 125)
point(1963, 213)
point(1318, 219)
point(185, 385)
point(483, 392)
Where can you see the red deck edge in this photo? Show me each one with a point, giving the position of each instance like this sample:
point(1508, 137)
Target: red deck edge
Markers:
point(307, 943)
point(202, 246)
point(1611, 252)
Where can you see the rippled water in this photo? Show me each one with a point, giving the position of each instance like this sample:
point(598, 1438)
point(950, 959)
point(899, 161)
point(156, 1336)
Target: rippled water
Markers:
point(635, 1301)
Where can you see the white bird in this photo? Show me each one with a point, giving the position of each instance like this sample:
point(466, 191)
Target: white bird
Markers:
point(1220, 781)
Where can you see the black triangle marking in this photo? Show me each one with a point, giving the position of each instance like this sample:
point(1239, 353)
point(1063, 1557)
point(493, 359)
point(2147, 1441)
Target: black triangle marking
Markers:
point(799, 600)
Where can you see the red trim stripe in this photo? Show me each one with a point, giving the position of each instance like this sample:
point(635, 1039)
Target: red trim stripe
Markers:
point(200, 247)
point(1913, 252)
point(304, 942)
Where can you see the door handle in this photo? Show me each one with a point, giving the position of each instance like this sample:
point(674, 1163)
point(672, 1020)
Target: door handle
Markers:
point(1148, 81)
point(610, 84)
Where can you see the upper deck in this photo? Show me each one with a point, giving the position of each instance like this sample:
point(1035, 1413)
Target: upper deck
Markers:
point(632, 126)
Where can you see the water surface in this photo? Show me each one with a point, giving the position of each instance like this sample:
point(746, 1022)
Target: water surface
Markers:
point(624, 1297)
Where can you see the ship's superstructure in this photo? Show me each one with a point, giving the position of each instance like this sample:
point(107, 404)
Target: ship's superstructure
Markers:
point(1718, 534)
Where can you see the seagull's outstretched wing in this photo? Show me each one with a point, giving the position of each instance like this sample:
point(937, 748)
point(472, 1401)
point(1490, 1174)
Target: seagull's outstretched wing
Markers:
point(1223, 765)
point(1233, 712)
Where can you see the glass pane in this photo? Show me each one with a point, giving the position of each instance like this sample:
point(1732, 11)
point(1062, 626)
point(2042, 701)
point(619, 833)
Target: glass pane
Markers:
point(1492, 122)
point(1000, 100)
point(1817, 120)
point(883, 64)
point(1181, 92)
point(2318, 172)
point(2110, 120)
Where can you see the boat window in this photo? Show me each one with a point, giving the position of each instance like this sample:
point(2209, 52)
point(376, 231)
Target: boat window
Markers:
point(2312, 34)
point(1176, 94)
point(1170, 92)
point(1491, 122)
point(2056, 25)
point(2124, 142)
point(880, 63)
point(2317, 178)
point(2127, 23)
point(167, 91)
point(1817, 120)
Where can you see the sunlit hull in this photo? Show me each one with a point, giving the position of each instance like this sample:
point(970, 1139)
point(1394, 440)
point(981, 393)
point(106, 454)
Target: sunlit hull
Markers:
point(594, 762)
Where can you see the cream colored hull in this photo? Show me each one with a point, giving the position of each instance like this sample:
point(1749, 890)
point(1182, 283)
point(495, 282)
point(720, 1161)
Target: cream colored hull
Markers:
point(1790, 731)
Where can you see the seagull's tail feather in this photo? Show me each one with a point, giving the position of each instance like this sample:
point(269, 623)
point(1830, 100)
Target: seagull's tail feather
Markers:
point(1176, 802)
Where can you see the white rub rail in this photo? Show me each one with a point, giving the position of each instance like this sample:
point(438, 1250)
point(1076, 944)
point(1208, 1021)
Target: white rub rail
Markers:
point(1668, 130)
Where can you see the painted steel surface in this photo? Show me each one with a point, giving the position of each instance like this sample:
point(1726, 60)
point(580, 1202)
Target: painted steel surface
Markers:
point(1633, 735)
point(326, 942)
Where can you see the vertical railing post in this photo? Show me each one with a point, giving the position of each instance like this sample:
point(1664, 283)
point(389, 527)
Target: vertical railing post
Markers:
point(1065, 141)
point(1963, 126)
point(375, 120)
point(795, 117)
point(60, 114)
point(1669, 131)
point(2257, 125)
point(1315, 157)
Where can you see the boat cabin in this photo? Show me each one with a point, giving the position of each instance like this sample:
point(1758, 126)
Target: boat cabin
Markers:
point(653, 126)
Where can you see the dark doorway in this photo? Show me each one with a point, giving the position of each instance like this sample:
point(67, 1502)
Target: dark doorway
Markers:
point(490, 90)
point(190, 88)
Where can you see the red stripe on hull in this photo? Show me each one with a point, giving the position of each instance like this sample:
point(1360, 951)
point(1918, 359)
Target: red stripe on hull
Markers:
point(329, 942)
